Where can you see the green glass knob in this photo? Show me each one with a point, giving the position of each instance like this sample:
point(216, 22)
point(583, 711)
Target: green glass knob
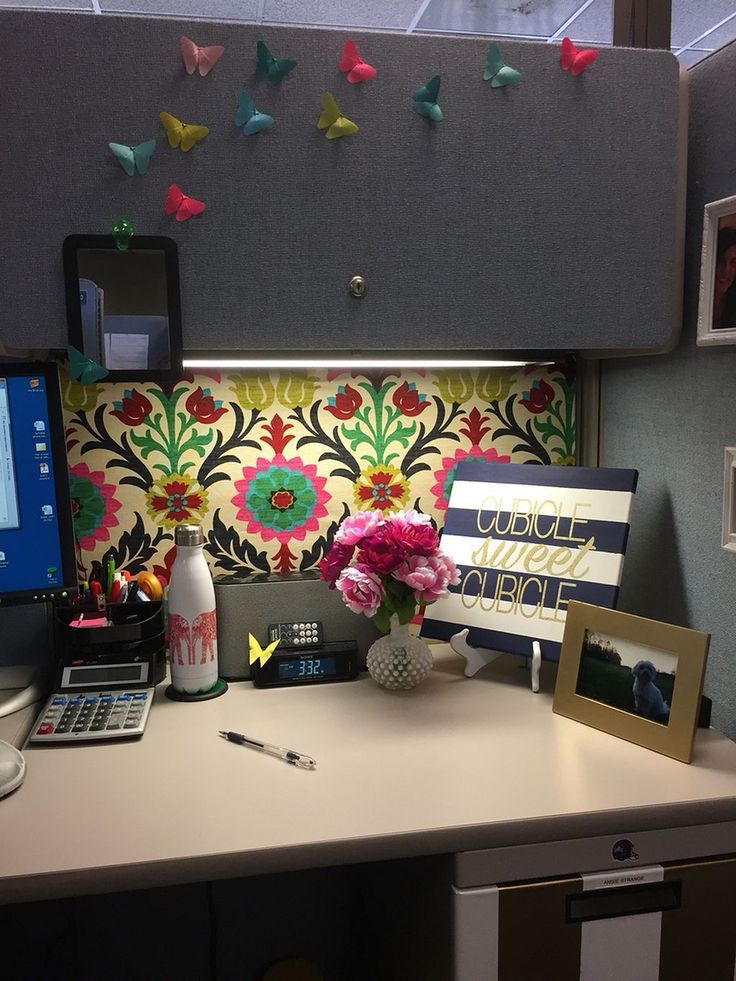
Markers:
point(122, 232)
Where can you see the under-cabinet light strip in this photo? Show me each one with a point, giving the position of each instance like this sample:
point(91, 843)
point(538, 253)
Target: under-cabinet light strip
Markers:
point(348, 362)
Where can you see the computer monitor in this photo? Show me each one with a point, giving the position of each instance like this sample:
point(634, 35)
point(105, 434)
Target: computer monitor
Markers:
point(37, 554)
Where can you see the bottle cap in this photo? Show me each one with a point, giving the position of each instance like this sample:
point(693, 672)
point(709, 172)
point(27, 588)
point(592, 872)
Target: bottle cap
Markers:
point(189, 535)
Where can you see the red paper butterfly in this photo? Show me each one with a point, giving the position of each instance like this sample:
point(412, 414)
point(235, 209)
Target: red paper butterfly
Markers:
point(351, 62)
point(203, 58)
point(575, 59)
point(179, 202)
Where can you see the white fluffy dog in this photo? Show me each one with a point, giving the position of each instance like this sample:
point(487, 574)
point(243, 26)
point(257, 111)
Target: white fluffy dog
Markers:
point(648, 699)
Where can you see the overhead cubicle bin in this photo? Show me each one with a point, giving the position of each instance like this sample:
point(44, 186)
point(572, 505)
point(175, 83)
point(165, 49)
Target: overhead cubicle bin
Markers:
point(541, 216)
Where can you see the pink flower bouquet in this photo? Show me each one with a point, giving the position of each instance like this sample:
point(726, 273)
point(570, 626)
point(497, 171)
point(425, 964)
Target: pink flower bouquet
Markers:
point(386, 564)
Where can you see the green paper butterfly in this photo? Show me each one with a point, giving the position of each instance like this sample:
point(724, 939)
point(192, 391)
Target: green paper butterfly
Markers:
point(425, 100)
point(84, 369)
point(132, 158)
point(270, 68)
point(498, 71)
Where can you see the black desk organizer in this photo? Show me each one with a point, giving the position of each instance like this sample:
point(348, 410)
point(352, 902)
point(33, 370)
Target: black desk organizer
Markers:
point(136, 633)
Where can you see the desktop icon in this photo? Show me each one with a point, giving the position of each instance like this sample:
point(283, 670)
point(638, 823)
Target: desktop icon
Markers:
point(34, 382)
point(2, 556)
point(43, 468)
point(40, 426)
point(47, 510)
point(40, 447)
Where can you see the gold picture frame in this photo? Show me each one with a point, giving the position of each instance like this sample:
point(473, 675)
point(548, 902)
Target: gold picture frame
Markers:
point(657, 704)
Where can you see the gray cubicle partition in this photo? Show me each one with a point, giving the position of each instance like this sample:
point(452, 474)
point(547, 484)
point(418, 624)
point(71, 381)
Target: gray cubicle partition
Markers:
point(545, 215)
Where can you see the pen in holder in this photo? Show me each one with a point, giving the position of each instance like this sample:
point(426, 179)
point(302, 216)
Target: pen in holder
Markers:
point(133, 634)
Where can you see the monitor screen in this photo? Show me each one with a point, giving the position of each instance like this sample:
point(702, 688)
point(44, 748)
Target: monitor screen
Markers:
point(37, 556)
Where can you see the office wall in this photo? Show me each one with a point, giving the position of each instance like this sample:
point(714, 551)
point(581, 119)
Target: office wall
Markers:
point(269, 463)
point(483, 232)
point(672, 415)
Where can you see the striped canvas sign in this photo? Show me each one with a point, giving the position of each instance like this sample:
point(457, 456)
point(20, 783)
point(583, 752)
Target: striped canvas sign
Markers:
point(527, 540)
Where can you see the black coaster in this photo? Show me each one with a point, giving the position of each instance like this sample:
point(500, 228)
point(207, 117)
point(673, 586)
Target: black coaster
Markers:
point(219, 688)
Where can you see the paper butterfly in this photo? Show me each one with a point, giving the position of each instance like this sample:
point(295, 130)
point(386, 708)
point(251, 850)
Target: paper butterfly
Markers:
point(183, 135)
point(575, 59)
point(132, 158)
point(332, 120)
point(270, 68)
point(84, 369)
point(350, 62)
point(498, 71)
point(249, 117)
point(257, 653)
point(180, 203)
point(425, 100)
point(203, 58)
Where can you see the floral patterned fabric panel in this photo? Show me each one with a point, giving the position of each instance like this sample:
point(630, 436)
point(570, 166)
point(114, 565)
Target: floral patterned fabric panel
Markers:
point(270, 464)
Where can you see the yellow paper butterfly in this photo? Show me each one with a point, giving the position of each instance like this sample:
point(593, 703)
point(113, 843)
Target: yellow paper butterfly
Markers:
point(333, 120)
point(183, 135)
point(257, 653)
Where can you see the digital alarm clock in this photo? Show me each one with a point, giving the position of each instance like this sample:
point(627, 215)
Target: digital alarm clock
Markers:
point(315, 665)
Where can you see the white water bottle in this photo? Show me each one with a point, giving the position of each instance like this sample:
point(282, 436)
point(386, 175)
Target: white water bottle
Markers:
point(192, 617)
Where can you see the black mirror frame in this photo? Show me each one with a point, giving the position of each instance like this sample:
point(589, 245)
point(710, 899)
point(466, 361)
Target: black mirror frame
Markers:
point(140, 243)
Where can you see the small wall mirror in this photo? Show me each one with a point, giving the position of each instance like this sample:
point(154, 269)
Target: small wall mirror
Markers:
point(123, 307)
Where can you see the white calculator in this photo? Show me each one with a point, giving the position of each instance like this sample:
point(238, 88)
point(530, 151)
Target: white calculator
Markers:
point(71, 717)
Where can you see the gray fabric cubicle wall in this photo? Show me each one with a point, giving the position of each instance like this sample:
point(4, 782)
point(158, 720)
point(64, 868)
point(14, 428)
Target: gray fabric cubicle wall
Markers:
point(671, 416)
point(539, 216)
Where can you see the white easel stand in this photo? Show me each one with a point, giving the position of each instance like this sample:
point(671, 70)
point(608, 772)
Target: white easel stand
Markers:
point(477, 658)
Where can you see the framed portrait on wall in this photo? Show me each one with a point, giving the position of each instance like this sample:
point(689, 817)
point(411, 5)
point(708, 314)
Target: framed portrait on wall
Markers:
point(717, 306)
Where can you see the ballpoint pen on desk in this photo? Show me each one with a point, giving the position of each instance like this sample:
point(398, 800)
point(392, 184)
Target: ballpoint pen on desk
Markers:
point(296, 759)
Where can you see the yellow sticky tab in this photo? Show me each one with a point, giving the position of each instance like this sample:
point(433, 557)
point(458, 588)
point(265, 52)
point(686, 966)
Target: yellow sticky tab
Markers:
point(257, 653)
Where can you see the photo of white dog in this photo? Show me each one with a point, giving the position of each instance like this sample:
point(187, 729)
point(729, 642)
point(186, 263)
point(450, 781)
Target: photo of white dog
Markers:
point(607, 666)
point(648, 700)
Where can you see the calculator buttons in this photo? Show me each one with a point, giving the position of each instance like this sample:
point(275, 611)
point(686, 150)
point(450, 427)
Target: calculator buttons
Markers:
point(98, 715)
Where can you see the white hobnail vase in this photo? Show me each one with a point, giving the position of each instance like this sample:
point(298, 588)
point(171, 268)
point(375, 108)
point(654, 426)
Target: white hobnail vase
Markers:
point(398, 660)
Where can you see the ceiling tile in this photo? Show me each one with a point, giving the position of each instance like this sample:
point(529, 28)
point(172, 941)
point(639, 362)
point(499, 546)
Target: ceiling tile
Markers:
point(689, 20)
point(49, 4)
point(692, 56)
point(594, 25)
point(720, 37)
point(391, 14)
point(246, 10)
point(518, 18)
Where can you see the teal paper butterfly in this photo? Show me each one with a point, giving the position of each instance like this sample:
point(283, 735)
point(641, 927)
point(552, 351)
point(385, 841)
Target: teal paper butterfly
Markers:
point(249, 117)
point(498, 71)
point(84, 369)
point(132, 158)
point(425, 100)
point(270, 68)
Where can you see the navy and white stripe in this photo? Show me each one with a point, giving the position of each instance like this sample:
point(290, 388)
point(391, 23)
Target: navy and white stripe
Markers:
point(583, 520)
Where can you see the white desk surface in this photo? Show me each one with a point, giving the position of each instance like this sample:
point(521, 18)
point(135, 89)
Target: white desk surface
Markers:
point(455, 764)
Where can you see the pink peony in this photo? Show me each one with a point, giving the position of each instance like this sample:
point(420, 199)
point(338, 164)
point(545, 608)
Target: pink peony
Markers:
point(381, 552)
point(357, 526)
point(413, 538)
point(334, 562)
point(361, 591)
point(409, 517)
point(428, 576)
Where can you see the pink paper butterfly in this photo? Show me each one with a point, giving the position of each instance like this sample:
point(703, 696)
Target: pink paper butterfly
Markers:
point(203, 58)
point(351, 62)
point(180, 203)
point(575, 59)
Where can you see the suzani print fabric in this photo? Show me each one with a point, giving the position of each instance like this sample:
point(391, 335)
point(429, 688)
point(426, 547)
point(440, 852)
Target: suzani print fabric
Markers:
point(270, 464)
